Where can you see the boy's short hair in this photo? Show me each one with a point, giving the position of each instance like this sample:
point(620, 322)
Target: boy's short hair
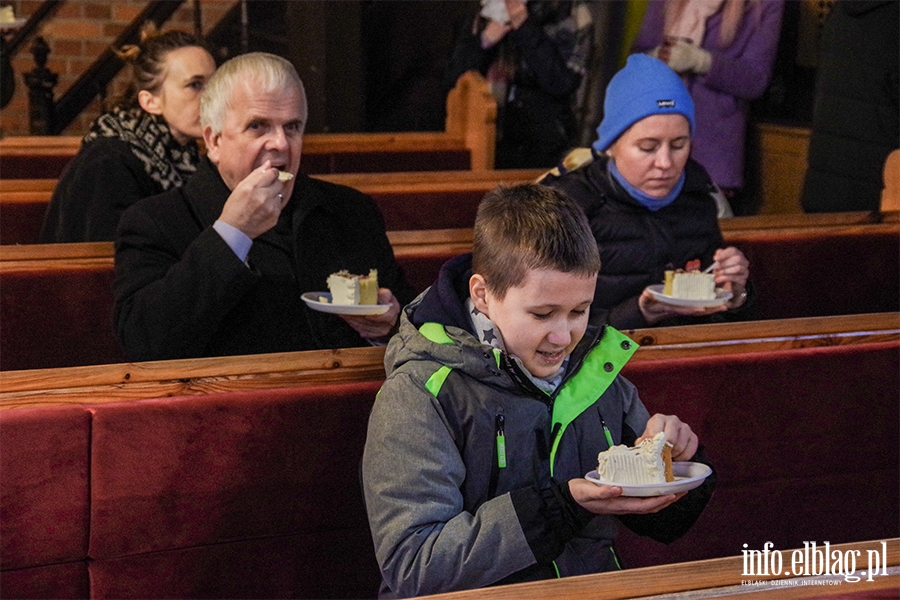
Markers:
point(269, 73)
point(530, 226)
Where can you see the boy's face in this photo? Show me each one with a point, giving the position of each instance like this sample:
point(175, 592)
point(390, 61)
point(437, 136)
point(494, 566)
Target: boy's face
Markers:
point(540, 320)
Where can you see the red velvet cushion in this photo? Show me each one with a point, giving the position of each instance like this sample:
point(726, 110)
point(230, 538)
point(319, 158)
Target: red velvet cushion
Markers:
point(339, 563)
point(823, 274)
point(429, 210)
point(65, 580)
point(21, 222)
point(421, 271)
point(43, 486)
point(57, 319)
point(386, 162)
point(804, 443)
point(188, 471)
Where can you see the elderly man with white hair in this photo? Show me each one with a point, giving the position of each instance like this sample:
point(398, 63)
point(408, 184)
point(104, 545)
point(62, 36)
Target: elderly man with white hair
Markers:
point(218, 266)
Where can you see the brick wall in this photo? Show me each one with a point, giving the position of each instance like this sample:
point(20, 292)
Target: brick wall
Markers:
point(78, 32)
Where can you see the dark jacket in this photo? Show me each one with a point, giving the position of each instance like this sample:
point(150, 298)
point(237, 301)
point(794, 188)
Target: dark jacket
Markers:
point(547, 56)
point(637, 245)
point(444, 514)
point(95, 188)
point(182, 292)
point(856, 115)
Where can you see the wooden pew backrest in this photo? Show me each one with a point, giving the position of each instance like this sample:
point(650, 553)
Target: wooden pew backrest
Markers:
point(799, 272)
point(890, 196)
point(407, 200)
point(466, 143)
point(131, 381)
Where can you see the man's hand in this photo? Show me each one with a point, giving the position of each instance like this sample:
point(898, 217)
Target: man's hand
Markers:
point(376, 328)
point(255, 204)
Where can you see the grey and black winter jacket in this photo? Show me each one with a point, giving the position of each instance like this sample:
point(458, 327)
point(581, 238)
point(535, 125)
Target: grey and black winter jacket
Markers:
point(466, 461)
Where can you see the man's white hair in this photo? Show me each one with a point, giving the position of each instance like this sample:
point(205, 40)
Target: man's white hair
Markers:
point(269, 73)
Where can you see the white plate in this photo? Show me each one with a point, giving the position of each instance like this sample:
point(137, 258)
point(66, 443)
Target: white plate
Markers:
point(688, 475)
point(312, 300)
point(722, 296)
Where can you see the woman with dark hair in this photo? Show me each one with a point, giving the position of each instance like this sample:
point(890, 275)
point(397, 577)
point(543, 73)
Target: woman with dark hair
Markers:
point(145, 144)
point(534, 55)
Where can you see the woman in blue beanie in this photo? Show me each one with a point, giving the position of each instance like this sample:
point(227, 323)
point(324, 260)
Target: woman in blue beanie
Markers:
point(651, 207)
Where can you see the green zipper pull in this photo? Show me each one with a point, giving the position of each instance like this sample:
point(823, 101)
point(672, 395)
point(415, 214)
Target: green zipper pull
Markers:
point(606, 432)
point(501, 443)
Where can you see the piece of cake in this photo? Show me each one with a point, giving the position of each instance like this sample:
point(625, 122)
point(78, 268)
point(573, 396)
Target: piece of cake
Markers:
point(284, 176)
point(690, 285)
point(648, 462)
point(346, 288)
point(7, 16)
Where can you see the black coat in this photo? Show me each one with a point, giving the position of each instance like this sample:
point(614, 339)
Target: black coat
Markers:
point(536, 124)
point(95, 188)
point(637, 245)
point(856, 116)
point(182, 292)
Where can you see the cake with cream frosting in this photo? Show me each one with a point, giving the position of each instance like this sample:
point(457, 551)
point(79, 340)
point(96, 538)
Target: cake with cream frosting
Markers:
point(690, 285)
point(350, 289)
point(646, 463)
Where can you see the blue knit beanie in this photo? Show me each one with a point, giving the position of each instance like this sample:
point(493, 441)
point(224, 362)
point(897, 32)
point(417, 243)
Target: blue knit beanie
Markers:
point(645, 86)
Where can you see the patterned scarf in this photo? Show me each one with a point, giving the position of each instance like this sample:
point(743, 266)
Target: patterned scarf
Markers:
point(489, 335)
point(165, 160)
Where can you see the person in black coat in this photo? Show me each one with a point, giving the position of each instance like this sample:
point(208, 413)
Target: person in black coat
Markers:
point(535, 57)
point(218, 266)
point(144, 145)
point(856, 115)
point(651, 208)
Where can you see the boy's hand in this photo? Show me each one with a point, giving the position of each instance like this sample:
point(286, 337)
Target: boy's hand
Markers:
point(684, 441)
point(608, 499)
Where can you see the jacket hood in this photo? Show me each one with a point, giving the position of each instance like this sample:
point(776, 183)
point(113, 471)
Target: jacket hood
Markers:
point(444, 303)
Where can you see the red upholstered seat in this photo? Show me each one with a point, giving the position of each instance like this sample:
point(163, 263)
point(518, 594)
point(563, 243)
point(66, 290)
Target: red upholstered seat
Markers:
point(804, 443)
point(819, 273)
point(241, 494)
point(60, 318)
point(432, 210)
point(44, 515)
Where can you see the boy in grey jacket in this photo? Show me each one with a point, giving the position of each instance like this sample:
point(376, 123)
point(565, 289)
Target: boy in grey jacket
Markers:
point(499, 397)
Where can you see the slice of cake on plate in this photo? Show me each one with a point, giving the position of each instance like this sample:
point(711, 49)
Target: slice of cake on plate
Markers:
point(350, 289)
point(690, 285)
point(648, 462)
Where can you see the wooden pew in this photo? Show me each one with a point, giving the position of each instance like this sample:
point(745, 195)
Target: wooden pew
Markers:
point(236, 464)
point(70, 284)
point(467, 142)
point(407, 200)
point(130, 381)
point(890, 195)
point(712, 578)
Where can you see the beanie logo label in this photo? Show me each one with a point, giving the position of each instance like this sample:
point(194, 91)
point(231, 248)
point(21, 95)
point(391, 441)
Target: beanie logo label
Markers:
point(665, 103)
